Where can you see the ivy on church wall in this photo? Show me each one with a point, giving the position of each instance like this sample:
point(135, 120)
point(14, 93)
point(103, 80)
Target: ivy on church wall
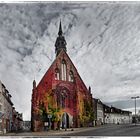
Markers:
point(77, 100)
point(86, 114)
point(49, 105)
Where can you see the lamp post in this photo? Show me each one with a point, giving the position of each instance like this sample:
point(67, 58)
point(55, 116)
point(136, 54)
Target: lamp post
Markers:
point(135, 105)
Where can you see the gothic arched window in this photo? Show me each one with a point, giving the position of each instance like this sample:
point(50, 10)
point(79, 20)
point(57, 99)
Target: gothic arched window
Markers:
point(71, 76)
point(63, 101)
point(57, 74)
point(63, 97)
point(63, 70)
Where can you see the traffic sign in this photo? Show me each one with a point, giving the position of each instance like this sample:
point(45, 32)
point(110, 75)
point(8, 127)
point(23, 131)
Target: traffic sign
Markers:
point(49, 116)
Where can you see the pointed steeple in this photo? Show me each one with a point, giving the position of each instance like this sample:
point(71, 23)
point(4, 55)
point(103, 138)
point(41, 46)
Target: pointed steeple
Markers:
point(60, 29)
point(60, 43)
point(34, 84)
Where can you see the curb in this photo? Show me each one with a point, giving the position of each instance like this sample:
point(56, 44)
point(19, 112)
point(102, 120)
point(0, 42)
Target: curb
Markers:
point(49, 133)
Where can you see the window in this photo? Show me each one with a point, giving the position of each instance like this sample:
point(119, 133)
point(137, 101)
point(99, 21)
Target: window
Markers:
point(61, 100)
point(57, 75)
point(63, 70)
point(71, 76)
point(58, 100)
point(69, 100)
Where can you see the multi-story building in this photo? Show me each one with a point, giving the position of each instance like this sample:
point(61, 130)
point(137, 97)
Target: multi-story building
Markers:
point(98, 112)
point(114, 115)
point(17, 121)
point(6, 110)
point(61, 99)
point(104, 114)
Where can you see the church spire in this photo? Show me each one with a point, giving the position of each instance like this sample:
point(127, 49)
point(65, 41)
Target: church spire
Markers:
point(60, 29)
point(60, 43)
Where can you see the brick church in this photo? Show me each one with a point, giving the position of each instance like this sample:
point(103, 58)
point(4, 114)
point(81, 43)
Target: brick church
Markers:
point(61, 99)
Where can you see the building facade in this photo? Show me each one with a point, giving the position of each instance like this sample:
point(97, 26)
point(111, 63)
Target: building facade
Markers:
point(17, 124)
point(114, 115)
point(26, 125)
point(61, 99)
point(98, 112)
point(6, 110)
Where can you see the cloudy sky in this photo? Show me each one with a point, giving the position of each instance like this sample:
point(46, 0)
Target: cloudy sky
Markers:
point(103, 41)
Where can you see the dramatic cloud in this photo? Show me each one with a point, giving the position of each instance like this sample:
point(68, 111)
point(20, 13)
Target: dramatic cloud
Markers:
point(103, 42)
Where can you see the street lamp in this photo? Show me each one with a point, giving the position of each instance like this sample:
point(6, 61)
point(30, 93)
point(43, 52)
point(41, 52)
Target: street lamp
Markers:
point(135, 105)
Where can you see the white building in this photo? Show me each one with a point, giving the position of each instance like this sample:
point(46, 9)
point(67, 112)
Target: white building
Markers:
point(117, 116)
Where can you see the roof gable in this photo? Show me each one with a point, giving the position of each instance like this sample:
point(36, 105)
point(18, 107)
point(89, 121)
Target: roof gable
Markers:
point(49, 71)
point(66, 55)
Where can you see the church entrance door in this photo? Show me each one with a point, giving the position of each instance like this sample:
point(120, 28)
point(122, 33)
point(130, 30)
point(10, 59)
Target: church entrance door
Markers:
point(65, 121)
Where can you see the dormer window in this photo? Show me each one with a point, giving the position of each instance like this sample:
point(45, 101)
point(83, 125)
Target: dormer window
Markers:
point(71, 76)
point(63, 70)
point(57, 74)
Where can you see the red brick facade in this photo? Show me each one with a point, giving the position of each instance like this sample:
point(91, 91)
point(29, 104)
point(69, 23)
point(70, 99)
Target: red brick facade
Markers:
point(62, 94)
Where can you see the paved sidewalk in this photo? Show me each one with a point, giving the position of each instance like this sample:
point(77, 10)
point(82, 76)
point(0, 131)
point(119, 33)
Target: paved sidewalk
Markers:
point(50, 133)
